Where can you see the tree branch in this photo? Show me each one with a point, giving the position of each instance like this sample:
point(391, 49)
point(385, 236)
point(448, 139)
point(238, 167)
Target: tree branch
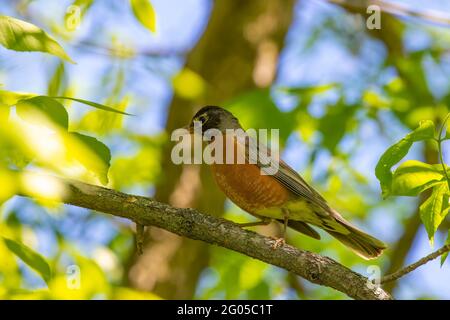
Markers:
point(402, 272)
point(195, 225)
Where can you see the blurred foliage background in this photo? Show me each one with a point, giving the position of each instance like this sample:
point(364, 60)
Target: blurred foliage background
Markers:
point(339, 92)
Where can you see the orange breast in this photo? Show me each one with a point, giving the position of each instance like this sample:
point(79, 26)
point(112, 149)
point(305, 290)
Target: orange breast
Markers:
point(246, 187)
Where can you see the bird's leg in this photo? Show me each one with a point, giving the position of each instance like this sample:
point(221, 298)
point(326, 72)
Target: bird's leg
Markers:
point(281, 241)
point(262, 222)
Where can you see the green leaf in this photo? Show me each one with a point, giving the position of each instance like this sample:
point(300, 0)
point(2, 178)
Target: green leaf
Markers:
point(33, 259)
point(4, 112)
point(413, 177)
point(398, 151)
point(9, 98)
point(145, 13)
point(55, 111)
point(19, 35)
point(57, 82)
point(93, 104)
point(99, 166)
point(425, 131)
point(188, 84)
point(309, 90)
point(434, 209)
point(307, 93)
point(445, 255)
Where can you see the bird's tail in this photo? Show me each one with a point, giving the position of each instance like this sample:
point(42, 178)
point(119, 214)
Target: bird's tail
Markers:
point(361, 243)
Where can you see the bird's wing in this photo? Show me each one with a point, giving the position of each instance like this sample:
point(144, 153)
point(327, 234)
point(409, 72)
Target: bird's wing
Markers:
point(295, 183)
point(287, 176)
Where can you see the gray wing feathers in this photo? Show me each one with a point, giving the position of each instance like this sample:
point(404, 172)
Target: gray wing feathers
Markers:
point(288, 177)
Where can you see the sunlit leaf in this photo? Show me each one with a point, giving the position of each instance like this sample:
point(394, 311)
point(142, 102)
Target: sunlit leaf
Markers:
point(395, 85)
point(145, 13)
point(375, 100)
point(85, 281)
point(20, 294)
point(251, 273)
point(146, 168)
point(44, 188)
point(9, 98)
point(122, 293)
point(4, 111)
point(414, 177)
point(307, 93)
point(310, 90)
point(9, 265)
point(307, 125)
point(101, 164)
point(398, 151)
point(32, 109)
point(14, 151)
point(433, 210)
point(57, 81)
point(188, 85)
point(33, 259)
point(100, 122)
point(19, 35)
point(8, 185)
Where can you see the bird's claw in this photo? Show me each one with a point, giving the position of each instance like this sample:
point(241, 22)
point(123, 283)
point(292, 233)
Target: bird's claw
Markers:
point(278, 242)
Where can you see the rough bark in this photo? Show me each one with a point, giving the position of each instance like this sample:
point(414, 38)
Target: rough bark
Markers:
point(239, 38)
point(214, 230)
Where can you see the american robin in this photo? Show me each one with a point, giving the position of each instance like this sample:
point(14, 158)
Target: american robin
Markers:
point(283, 196)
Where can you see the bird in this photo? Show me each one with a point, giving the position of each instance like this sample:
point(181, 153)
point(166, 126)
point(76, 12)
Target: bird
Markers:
point(283, 196)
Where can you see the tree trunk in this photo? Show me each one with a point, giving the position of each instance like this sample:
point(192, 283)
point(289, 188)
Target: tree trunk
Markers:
point(238, 52)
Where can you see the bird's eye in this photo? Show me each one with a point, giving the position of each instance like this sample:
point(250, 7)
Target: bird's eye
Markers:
point(202, 119)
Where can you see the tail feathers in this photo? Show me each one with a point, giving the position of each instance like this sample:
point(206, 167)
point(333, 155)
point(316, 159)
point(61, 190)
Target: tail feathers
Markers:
point(361, 243)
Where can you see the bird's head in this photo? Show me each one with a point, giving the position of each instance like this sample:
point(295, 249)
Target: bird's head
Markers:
point(212, 117)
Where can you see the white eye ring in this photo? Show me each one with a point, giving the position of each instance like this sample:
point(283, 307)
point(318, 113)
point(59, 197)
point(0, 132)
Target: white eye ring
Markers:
point(202, 119)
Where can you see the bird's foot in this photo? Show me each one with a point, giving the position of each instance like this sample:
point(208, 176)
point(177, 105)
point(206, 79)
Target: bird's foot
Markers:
point(278, 242)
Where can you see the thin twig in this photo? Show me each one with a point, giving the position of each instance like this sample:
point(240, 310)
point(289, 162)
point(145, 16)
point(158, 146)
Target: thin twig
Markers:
point(414, 266)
